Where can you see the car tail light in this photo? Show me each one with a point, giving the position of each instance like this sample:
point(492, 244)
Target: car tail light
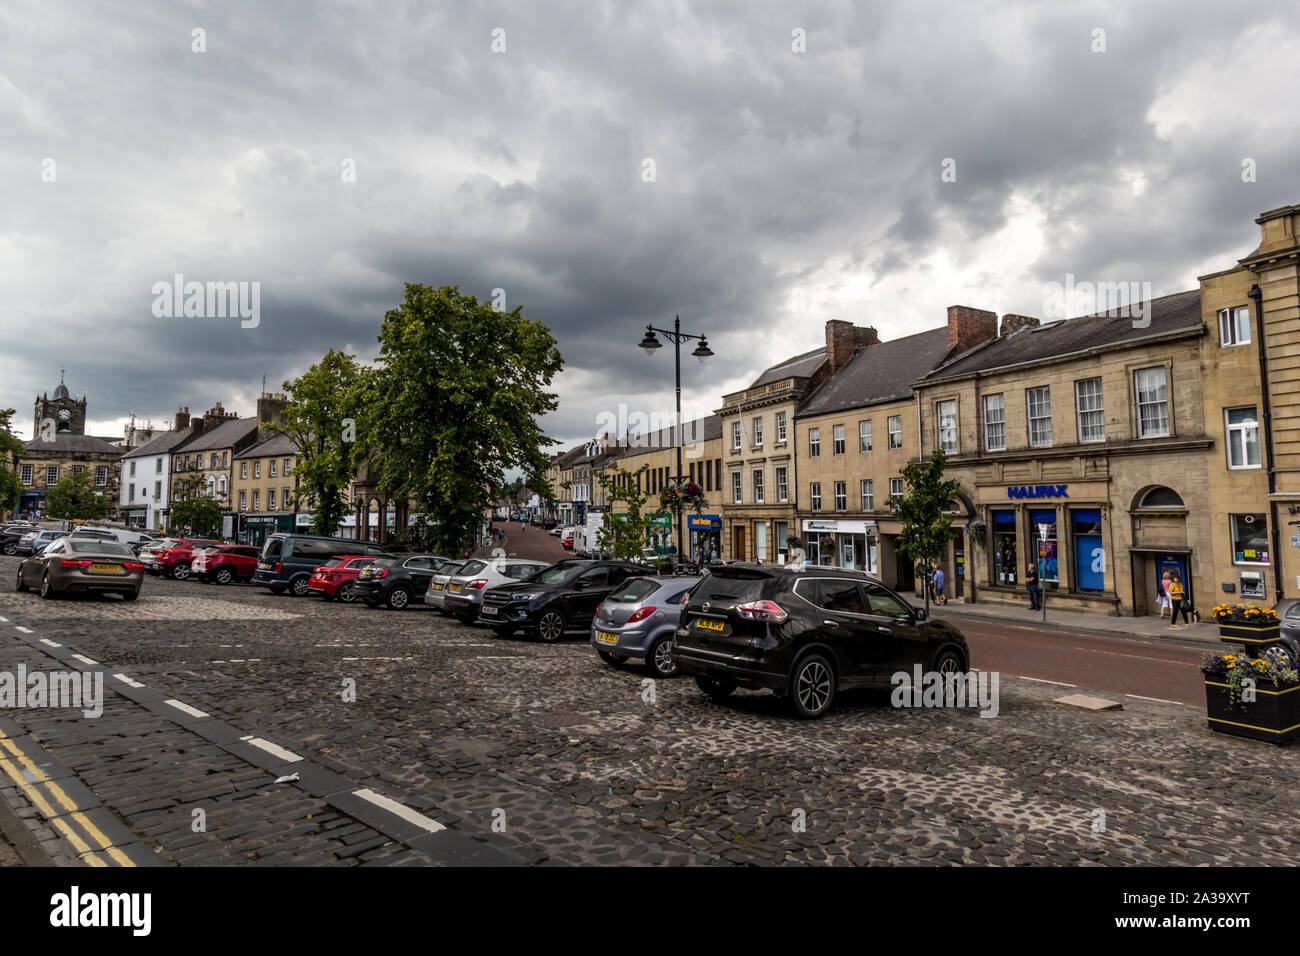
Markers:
point(381, 573)
point(75, 562)
point(278, 565)
point(686, 599)
point(640, 614)
point(477, 583)
point(133, 566)
point(762, 611)
point(162, 554)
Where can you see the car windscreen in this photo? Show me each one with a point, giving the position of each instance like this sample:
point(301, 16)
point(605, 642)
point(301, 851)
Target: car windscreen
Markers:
point(557, 574)
point(633, 591)
point(90, 546)
point(272, 548)
point(731, 584)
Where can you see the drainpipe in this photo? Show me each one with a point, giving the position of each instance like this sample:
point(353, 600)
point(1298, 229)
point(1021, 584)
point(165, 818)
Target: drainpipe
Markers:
point(1266, 423)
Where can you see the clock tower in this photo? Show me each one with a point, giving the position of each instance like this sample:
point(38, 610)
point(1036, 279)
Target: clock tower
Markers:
point(67, 413)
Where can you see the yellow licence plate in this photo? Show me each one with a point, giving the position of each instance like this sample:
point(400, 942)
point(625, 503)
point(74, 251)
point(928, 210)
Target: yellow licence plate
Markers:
point(437, 587)
point(709, 625)
point(603, 638)
point(454, 587)
point(106, 567)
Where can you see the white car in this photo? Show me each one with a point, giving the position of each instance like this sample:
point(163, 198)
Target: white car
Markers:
point(463, 595)
point(437, 592)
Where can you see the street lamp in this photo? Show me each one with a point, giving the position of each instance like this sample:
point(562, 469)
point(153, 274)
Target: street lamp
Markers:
point(651, 344)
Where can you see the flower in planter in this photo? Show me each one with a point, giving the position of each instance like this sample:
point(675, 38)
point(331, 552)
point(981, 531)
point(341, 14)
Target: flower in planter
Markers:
point(1235, 669)
point(1244, 614)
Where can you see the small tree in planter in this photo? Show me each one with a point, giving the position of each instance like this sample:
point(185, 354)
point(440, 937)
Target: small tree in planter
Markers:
point(1253, 697)
point(924, 514)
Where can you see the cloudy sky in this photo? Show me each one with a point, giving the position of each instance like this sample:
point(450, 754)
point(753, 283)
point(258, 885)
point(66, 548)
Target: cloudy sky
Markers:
point(756, 167)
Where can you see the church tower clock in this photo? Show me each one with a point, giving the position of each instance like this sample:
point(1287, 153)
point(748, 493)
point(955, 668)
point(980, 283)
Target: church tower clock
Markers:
point(67, 413)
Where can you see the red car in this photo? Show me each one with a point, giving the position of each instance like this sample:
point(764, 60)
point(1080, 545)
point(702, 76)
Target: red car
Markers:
point(226, 563)
point(173, 557)
point(337, 579)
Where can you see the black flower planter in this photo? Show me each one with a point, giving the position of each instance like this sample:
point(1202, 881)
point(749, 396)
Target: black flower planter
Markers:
point(1253, 637)
point(1273, 716)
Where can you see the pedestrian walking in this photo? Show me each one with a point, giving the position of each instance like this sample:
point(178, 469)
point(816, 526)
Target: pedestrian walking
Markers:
point(939, 597)
point(1031, 582)
point(1163, 588)
point(523, 526)
point(1176, 601)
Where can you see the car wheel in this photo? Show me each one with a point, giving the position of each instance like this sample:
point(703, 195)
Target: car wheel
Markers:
point(347, 593)
point(224, 575)
point(948, 664)
point(298, 586)
point(550, 626)
point(181, 571)
point(18, 584)
point(398, 599)
point(1279, 656)
point(47, 592)
point(130, 595)
point(659, 658)
point(614, 660)
point(11, 548)
point(812, 689)
point(716, 688)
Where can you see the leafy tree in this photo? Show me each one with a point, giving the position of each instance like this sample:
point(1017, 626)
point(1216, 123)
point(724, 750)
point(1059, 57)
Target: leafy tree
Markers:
point(193, 507)
point(10, 445)
point(455, 405)
point(75, 498)
point(923, 514)
point(623, 533)
point(321, 420)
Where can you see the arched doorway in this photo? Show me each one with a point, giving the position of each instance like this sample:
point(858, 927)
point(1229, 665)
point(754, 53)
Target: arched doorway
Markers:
point(1160, 544)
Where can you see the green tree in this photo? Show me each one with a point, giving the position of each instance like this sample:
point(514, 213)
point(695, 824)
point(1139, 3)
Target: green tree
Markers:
point(455, 405)
point(321, 420)
point(193, 507)
point(622, 534)
point(75, 498)
point(924, 512)
point(10, 445)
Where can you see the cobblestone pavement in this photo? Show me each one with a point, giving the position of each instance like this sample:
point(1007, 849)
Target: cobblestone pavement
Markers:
point(583, 768)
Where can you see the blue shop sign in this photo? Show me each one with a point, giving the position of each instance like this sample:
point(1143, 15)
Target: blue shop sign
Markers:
point(703, 522)
point(1037, 491)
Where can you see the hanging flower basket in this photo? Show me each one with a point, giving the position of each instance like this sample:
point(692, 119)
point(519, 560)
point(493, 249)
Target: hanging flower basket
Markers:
point(684, 496)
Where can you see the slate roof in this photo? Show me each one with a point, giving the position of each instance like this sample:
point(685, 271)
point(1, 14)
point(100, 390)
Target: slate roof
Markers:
point(160, 444)
point(1170, 313)
point(277, 445)
point(883, 372)
point(796, 366)
point(694, 430)
point(68, 442)
point(223, 436)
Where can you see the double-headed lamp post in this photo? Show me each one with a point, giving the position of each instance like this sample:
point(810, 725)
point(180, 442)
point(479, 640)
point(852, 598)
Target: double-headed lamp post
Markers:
point(702, 351)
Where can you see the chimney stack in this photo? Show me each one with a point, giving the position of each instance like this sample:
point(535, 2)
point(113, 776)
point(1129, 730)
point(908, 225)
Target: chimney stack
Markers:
point(182, 417)
point(845, 338)
point(270, 410)
point(969, 327)
point(1013, 323)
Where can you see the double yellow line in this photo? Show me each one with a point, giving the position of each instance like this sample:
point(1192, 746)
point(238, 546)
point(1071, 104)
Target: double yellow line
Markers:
point(90, 843)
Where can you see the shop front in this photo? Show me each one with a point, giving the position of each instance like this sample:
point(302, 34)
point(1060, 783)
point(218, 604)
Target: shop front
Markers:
point(705, 533)
point(257, 528)
point(842, 543)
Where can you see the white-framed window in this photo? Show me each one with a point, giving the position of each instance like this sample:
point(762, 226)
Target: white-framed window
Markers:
point(1091, 409)
point(868, 495)
point(841, 496)
point(782, 487)
point(51, 474)
point(214, 460)
point(243, 469)
point(1234, 326)
point(735, 436)
point(735, 487)
point(26, 473)
point(814, 443)
point(257, 499)
point(271, 468)
point(221, 486)
point(270, 499)
point(1039, 404)
point(157, 491)
point(257, 469)
point(758, 432)
point(1249, 538)
point(243, 500)
point(837, 439)
point(895, 427)
point(780, 426)
point(815, 496)
point(1152, 402)
point(758, 486)
point(895, 487)
point(130, 492)
point(285, 471)
point(132, 467)
point(995, 423)
point(1242, 426)
point(864, 436)
point(157, 466)
point(78, 469)
point(945, 420)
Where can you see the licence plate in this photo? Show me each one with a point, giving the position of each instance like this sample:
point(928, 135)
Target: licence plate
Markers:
point(603, 638)
point(263, 566)
point(437, 587)
point(490, 611)
point(106, 567)
point(452, 587)
point(709, 625)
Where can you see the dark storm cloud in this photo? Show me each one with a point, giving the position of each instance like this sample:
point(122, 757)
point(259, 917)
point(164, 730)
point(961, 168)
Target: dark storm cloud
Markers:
point(789, 188)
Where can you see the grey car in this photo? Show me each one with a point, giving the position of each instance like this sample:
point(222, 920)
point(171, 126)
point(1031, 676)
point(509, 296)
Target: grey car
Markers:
point(1288, 611)
point(463, 593)
point(33, 541)
point(639, 619)
point(82, 565)
point(436, 594)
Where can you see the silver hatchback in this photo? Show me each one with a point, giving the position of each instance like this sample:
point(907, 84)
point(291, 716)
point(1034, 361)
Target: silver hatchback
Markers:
point(463, 594)
point(639, 619)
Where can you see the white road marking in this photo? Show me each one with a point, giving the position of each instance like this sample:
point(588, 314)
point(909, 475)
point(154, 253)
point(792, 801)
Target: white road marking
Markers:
point(397, 809)
point(1158, 700)
point(49, 643)
point(127, 681)
point(275, 750)
point(185, 708)
point(25, 630)
point(1039, 680)
point(4, 620)
point(1136, 657)
point(85, 660)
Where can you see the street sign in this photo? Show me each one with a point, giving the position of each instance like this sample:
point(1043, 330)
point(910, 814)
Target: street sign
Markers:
point(1042, 531)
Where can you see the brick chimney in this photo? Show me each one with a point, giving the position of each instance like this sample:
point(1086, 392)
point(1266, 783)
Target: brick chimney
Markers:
point(216, 415)
point(1012, 323)
point(969, 327)
point(182, 417)
point(845, 338)
point(270, 410)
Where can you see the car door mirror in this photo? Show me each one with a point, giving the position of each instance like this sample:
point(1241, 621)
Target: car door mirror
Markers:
point(920, 615)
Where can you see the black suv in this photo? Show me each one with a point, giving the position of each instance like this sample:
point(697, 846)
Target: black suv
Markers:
point(395, 582)
point(10, 535)
point(805, 634)
point(555, 599)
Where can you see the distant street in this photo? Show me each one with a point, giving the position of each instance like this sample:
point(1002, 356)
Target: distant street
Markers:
point(534, 543)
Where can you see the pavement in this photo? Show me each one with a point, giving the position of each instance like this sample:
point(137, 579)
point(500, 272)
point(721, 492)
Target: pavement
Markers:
point(1147, 626)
